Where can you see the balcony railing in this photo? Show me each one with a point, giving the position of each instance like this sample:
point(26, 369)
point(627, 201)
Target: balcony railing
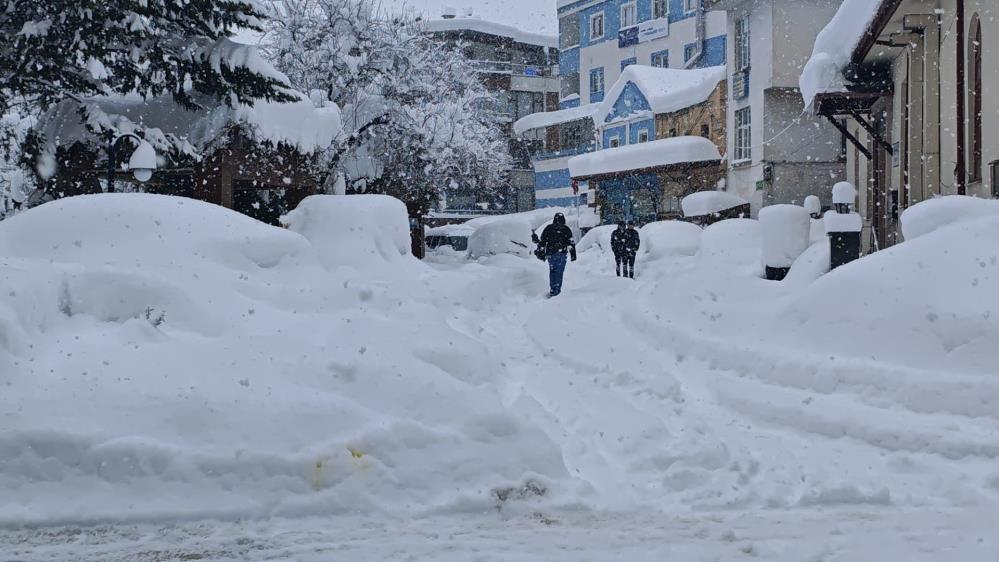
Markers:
point(516, 69)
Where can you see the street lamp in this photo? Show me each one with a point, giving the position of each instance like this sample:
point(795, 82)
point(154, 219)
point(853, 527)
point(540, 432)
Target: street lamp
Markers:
point(142, 162)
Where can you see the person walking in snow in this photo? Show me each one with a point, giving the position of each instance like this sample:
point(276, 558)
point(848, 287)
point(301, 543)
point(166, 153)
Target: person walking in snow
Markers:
point(625, 243)
point(618, 247)
point(557, 244)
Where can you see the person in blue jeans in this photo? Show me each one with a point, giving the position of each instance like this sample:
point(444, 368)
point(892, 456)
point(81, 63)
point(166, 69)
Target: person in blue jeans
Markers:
point(557, 244)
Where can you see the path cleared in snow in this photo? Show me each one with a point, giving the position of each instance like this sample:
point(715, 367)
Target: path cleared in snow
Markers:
point(330, 393)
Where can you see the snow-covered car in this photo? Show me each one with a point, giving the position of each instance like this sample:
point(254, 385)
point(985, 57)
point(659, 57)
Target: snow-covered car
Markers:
point(453, 237)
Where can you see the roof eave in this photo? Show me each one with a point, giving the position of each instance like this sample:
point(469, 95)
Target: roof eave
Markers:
point(650, 170)
point(881, 19)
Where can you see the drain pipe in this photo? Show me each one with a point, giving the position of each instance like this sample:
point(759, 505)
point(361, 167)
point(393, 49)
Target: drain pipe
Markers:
point(701, 37)
point(961, 171)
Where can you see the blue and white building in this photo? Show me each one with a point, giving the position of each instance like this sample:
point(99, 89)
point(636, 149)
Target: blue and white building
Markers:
point(598, 40)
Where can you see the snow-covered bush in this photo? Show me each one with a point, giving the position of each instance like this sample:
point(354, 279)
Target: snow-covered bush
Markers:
point(507, 236)
point(353, 230)
point(670, 238)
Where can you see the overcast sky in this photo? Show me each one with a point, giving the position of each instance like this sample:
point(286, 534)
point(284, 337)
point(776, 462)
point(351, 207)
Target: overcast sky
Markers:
point(536, 16)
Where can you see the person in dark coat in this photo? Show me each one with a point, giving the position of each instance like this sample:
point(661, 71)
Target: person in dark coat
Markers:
point(618, 241)
point(632, 241)
point(557, 243)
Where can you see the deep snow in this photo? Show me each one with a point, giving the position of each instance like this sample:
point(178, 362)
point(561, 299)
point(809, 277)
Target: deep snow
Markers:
point(164, 361)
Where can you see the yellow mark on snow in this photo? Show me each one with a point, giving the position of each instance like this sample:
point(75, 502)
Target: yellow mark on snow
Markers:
point(317, 475)
point(355, 453)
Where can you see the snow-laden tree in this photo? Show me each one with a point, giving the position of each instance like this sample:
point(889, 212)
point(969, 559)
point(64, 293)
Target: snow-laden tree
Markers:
point(15, 184)
point(53, 50)
point(417, 117)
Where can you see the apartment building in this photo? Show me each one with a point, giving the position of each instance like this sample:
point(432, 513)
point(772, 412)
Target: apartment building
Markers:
point(522, 70)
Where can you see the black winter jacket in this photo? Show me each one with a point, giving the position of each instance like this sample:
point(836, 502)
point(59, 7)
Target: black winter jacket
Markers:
point(557, 238)
point(632, 241)
point(618, 241)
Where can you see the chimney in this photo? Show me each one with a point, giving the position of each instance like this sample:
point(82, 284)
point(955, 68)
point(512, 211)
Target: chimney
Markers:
point(449, 13)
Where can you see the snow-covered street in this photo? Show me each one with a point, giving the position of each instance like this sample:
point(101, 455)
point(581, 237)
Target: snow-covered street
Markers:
point(839, 535)
point(245, 392)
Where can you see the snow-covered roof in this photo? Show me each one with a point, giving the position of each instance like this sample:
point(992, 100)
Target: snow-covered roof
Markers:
point(834, 47)
point(490, 28)
point(665, 152)
point(705, 203)
point(666, 89)
point(550, 118)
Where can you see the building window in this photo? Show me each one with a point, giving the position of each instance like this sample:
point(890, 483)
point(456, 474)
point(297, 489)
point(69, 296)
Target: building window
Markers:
point(597, 81)
point(643, 136)
point(689, 51)
point(660, 59)
point(569, 85)
point(660, 9)
point(691, 5)
point(596, 26)
point(743, 135)
point(706, 130)
point(614, 141)
point(568, 31)
point(628, 62)
point(975, 101)
point(742, 43)
point(629, 14)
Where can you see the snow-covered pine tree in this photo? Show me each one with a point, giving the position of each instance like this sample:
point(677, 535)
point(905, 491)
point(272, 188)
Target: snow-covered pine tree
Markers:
point(417, 116)
point(52, 50)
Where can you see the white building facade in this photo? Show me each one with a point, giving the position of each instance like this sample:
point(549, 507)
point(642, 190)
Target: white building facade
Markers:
point(777, 152)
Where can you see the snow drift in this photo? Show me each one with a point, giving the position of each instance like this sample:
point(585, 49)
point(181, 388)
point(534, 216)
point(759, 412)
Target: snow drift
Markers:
point(205, 365)
point(168, 358)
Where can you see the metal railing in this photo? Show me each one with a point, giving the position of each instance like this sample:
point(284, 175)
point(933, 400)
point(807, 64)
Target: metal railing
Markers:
point(516, 69)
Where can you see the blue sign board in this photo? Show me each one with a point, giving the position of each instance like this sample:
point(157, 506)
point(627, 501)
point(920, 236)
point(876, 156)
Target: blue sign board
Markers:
point(627, 37)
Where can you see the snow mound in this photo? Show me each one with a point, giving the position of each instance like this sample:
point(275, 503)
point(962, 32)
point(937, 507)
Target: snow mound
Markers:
point(163, 358)
point(137, 230)
point(934, 214)
point(598, 238)
point(670, 238)
point(509, 236)
point(928, 303)
point(732, 243)
point(353, 230)
point(813, 263)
